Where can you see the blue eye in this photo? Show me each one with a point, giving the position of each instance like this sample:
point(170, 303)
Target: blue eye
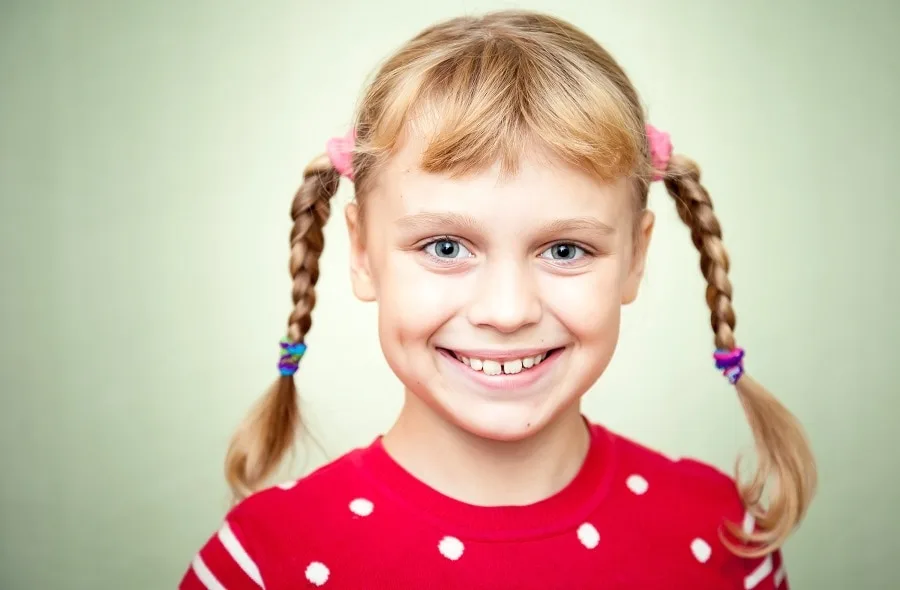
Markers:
point(563, 252)
point(447, 249)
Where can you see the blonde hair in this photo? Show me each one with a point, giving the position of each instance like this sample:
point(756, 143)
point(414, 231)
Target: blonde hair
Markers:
point(482, 90)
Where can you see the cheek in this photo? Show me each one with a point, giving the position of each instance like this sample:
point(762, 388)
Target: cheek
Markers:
point(588, 305)
point(413, 302)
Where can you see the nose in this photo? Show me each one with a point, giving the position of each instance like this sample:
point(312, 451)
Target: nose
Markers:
point(505, 298)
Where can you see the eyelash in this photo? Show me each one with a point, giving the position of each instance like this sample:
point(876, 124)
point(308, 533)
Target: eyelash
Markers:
point(586, 252)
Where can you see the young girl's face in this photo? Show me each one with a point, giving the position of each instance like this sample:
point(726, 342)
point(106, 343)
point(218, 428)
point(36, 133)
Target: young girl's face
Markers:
point(499, 298)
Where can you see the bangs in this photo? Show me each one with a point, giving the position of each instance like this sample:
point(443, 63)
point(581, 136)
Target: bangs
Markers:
point(488, 100)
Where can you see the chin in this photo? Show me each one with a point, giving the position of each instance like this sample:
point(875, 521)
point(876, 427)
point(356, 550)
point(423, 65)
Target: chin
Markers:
point(502, 425)
point(502, 420)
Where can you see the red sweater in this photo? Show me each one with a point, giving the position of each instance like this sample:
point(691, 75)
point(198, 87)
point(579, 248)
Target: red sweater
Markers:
point(631, 519)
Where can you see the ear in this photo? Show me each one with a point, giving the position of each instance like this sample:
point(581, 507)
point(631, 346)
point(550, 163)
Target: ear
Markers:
point(636, 270)
point(360, 273)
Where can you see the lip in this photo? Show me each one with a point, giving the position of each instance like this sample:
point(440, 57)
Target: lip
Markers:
point(523, 381)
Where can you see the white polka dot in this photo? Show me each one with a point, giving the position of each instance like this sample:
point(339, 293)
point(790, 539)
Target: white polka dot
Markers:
point(451, 548)
point(317, 573)
point(287, 485)
point(361, 507)
point(701, 550)
point(637, 484)
point(588, 535)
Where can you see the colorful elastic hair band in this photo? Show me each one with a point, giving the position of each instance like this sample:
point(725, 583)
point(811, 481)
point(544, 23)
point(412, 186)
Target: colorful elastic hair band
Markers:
point(290, 357)
point(731, 363)
point(660, 151)
point(340, 152)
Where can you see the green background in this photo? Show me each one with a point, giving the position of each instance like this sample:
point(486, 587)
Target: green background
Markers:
point(148, 154)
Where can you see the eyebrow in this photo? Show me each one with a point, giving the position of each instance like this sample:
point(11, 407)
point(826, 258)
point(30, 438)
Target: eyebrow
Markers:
point(579, 224)
point(461, 222)
point(438, 221)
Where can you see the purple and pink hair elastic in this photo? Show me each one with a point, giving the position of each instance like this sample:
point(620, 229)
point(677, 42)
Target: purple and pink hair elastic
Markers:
point(731, 363)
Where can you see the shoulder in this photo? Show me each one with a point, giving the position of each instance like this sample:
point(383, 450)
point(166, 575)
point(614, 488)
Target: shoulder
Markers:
point(688, 504)
point(685, 478)
point(289, 502)
point(698, 488)
point(313, 502)
point(257, 533)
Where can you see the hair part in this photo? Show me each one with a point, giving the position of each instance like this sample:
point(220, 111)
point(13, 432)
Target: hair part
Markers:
point(482, 90)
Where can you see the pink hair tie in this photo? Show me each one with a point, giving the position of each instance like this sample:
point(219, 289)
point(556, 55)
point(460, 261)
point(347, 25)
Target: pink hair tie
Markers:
point(660, 151)
point(731, 363)
point(340, 152)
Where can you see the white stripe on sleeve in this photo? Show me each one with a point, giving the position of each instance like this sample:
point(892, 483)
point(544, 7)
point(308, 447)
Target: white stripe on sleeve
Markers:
point(759, 574)
point(780, 575)
point(240, 556)
point(205, 576)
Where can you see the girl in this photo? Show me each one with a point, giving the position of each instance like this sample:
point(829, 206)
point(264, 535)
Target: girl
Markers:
point(501, 167)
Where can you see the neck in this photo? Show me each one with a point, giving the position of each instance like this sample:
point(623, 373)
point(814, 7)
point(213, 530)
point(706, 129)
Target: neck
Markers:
point(487, 472)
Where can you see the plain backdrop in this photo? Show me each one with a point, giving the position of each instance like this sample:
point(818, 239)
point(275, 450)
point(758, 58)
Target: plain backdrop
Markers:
point(149, 151)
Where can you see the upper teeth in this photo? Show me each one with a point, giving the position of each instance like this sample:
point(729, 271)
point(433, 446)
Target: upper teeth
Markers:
point(508, 367)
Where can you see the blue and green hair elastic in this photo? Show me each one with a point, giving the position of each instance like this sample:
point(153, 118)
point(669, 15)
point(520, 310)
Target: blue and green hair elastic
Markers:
point(291, 353)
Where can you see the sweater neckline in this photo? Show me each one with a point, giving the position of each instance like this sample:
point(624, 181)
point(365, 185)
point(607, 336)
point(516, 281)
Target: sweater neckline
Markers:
point(565, 510)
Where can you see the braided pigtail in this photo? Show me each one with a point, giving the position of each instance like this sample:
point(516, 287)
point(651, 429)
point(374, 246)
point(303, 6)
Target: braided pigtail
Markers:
point(785, 459)
point(268, 431)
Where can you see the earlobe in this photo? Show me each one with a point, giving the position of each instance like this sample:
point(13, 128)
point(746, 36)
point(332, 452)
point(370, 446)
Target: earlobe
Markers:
point(360, 273)
point(636, 271)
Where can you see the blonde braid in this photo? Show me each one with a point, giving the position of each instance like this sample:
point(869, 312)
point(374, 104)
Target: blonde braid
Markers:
point(268, 431)
point(784, 456)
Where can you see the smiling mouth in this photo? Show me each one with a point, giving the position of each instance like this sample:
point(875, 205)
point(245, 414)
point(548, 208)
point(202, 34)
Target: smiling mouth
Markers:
point(510, 366)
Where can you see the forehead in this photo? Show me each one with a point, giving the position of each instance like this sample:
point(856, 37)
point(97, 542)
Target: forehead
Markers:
point(541, 185)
